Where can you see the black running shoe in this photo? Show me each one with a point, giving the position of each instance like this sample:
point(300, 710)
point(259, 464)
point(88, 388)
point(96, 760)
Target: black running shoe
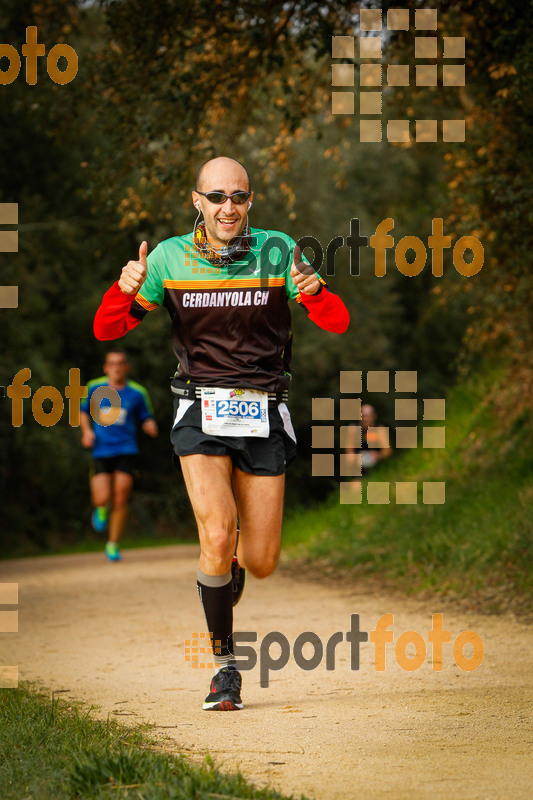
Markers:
point(238, 578)
point(225, 694)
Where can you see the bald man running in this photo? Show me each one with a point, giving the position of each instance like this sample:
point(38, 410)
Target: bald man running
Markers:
point(226, 287)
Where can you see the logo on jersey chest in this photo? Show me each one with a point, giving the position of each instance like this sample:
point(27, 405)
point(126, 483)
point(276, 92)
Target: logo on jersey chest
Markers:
point(218, 299)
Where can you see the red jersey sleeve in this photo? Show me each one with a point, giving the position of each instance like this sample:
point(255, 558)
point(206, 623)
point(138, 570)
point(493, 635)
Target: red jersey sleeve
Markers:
point(114, 319)
point(326, 310)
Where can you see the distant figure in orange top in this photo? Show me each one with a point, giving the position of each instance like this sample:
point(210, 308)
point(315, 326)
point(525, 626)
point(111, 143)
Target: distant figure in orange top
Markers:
point(368, 440)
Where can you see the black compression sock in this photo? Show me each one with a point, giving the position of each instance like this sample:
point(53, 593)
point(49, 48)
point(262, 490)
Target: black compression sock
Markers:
point(216, 595)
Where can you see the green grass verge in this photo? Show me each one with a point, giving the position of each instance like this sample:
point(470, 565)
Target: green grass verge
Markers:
point(477, 544)
point(53, 750)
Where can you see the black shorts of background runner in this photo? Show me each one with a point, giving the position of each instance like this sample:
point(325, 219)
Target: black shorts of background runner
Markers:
point(251, 454)
point(125, 463)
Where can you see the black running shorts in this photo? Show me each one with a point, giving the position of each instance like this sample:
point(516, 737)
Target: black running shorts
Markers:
point(124, 463)
point(250, 454)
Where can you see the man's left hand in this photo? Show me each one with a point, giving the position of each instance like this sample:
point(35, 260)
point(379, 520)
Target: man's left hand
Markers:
point(303, 275)
point(149, 426)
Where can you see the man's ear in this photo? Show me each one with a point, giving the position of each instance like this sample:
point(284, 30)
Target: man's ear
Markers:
point(196, 200)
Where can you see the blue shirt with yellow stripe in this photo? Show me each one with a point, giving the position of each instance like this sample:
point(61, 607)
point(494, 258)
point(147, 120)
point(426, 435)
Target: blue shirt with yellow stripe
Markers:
point(121, 437)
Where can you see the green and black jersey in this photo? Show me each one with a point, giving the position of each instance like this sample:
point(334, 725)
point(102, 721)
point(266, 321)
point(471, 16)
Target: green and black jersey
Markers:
point(231, 325)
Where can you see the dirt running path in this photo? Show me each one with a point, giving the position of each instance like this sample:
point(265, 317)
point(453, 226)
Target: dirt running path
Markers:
point(113, 635)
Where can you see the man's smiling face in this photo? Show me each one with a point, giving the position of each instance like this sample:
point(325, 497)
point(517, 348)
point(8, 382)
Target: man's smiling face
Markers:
point(116, 368)
point(226, 221)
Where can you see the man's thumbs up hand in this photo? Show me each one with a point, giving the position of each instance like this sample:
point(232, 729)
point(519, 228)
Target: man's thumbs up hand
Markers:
point(303, 274)
point(133, 275)
point(143, 252)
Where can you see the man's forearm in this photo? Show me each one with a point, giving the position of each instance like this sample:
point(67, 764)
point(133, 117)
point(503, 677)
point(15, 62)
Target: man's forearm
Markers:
point(85, 424)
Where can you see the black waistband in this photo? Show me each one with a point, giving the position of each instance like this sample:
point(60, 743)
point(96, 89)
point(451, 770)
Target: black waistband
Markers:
point(193, 392)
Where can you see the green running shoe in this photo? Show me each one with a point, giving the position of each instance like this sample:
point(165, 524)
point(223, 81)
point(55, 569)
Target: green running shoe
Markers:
point(112, 552)
point(99, 519)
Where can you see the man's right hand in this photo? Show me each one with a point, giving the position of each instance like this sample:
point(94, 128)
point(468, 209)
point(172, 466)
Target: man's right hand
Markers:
point(133, 275)
point(87, 439)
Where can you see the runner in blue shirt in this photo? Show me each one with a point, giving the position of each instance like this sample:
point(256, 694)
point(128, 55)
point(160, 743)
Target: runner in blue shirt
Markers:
point(114, 447)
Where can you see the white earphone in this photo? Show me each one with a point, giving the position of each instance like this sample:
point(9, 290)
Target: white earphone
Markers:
point(250, 204)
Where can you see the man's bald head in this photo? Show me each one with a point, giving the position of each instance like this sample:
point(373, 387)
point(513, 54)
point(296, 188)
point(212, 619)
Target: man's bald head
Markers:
point(215, 168)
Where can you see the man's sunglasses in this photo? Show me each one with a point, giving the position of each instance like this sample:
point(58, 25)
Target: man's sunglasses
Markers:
point(218, 198)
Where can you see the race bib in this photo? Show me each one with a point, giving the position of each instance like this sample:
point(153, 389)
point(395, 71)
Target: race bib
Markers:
point(235, 412)
point(121, 419)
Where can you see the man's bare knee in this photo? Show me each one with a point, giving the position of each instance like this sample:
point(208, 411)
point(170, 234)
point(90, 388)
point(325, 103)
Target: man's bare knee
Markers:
point(263, 568)
point(218, 544)
point(218, 540)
